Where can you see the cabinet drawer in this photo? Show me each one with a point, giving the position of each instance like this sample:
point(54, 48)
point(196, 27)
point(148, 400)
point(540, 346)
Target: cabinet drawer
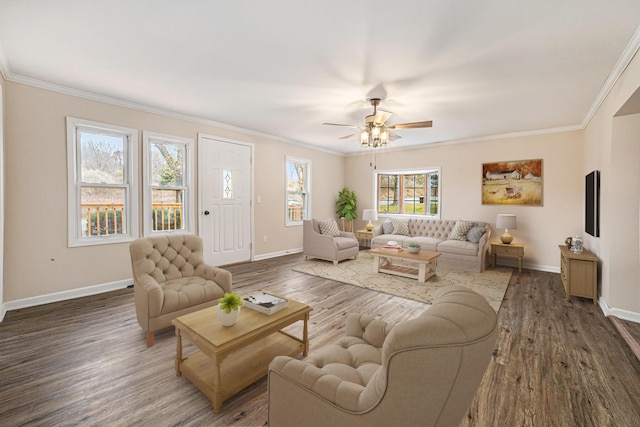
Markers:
point(509, 250)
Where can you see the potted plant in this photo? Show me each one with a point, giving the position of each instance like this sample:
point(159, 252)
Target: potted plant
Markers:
point(413, 247)
point(346, 205)
point(229, 308)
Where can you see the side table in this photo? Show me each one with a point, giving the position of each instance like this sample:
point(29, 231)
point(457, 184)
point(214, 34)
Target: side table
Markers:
point(365, 235)
point(512, 250)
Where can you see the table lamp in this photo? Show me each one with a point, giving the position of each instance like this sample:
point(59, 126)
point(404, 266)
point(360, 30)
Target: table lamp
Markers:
point(506, 221)
point(369, 215)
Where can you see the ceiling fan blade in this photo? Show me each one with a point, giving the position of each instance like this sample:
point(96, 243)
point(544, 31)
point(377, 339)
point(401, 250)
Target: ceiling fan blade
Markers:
point(350, 136)
point(393, 136)
point(425, 124)
point(345, 126)
point(379, 118)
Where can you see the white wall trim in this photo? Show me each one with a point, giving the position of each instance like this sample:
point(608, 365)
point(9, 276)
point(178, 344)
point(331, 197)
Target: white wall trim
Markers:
point(278, 254)
point(631, 316)
point(67, 295)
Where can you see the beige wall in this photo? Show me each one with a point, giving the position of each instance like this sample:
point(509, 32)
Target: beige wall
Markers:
point(39, 261)
point(541, 229)
point(612, 146)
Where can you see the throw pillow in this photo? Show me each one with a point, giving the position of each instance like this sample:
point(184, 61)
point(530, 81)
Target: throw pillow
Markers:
point(475, 234)
point(329, 227)
point(401, 226)
point(387, 227)
point(461, 229)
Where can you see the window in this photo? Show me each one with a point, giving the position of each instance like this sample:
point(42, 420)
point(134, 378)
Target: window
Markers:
point(167, 177)
point(102, 193)
point(408, 192)
point(298, 191)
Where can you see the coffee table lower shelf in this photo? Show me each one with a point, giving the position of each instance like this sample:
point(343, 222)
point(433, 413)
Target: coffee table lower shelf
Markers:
point(241, 369)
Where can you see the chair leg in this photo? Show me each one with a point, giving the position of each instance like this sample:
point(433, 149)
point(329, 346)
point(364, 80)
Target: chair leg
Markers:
point(149, 339)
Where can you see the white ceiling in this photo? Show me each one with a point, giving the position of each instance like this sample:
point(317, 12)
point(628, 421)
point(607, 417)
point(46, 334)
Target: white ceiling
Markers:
point(283, 67)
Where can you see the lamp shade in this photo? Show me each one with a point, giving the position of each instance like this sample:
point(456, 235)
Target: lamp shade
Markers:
point(507, 221)
point(369, 215)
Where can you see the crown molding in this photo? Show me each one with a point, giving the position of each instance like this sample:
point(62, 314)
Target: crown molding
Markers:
point(9, 76)
point(622, 64)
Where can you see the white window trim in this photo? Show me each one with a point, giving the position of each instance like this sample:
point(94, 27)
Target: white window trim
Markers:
point(307, 210)
point(189, 204)
point(75, 238)
point(407, 172)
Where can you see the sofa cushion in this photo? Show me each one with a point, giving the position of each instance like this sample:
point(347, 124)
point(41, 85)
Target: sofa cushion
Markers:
point(458, 247)
point(383, 239)
point(475, 234)
point(461, 229)
point(329, 227)
point(345, 242)
point(426, 243)
point(387, 227)
point(400, 226)
point(187, 292)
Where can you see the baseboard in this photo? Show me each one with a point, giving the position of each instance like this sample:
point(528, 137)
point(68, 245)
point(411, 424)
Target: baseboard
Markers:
point(65, 295)
point(3, 311)
point(631, 316)
point(277, 254)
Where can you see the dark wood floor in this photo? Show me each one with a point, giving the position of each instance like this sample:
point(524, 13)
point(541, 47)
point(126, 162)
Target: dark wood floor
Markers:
point(84, 362)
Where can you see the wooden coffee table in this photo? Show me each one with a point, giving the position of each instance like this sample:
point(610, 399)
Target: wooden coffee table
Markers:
point(426, 260)
point(232, 358)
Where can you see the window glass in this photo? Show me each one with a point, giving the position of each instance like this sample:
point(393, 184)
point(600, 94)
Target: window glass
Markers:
point(408, 193)
point(298, 191)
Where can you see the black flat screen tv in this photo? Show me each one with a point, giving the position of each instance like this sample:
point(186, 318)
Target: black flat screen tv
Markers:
point(592, 204)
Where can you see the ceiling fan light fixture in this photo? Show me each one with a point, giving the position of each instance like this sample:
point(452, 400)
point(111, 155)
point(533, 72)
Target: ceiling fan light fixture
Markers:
point(364, 138)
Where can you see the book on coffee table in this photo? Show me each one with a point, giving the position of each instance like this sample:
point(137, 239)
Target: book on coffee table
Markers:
point(264, 302)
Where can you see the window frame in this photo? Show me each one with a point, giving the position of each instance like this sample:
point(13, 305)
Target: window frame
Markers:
point(401, 174)
point(188, 215)
point(74, 186)
point(306, 192)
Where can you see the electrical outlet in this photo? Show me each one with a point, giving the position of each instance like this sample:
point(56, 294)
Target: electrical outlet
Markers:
point(264, 239)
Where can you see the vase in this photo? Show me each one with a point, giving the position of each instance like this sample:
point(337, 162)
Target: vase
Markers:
point(228, 319)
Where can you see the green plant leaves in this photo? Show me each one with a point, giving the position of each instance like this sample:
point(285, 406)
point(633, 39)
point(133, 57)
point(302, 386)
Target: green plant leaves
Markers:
point(346, 204)
point(230, 301)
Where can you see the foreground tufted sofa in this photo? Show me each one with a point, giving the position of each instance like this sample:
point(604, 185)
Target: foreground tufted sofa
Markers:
point(468, 252)
point(170, 279)
point(422, 372)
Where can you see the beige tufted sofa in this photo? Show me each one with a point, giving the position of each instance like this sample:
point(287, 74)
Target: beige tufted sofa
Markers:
point(422, 372)
point(171, 279)
point(433, 235)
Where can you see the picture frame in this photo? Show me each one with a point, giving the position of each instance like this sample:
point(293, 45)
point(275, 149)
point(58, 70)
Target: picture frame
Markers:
point(513, 182)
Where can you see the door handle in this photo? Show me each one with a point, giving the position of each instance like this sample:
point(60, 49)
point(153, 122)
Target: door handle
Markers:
point(206, 212)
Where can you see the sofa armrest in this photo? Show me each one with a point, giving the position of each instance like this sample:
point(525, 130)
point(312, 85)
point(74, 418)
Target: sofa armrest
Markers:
point(347, 234)
point(377, 231)
point(374, 331)
point(150, 294)
point(483, 248)
point(219, 275)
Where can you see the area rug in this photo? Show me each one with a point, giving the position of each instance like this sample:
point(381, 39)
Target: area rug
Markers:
point(491, 284)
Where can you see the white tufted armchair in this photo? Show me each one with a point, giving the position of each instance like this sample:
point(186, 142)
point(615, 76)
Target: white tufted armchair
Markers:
point(171, 279)
point(422, 372)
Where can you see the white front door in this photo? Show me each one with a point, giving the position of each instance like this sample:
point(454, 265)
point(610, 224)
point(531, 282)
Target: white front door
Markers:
point(225, 179)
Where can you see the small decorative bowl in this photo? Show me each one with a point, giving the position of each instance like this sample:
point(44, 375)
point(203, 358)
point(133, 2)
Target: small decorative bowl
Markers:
point(413, 249)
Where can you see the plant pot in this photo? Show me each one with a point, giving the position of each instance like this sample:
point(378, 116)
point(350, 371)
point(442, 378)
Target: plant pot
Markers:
point(413, 250)
point(228, 319)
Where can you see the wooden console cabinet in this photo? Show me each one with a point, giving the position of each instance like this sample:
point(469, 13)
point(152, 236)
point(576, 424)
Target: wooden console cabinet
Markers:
point(579, 273)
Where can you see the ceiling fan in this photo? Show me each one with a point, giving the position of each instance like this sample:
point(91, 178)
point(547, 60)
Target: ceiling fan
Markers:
point(375, 132)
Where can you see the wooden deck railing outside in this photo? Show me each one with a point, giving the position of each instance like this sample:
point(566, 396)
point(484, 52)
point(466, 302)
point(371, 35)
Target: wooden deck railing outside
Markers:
point(104, 219)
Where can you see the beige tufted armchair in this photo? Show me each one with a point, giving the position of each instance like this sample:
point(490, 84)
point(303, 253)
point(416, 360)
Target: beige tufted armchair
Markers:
point(422, 372)
point(171, 279)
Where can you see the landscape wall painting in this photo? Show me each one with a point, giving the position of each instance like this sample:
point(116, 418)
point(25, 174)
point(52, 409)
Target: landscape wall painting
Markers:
point(517, 182)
